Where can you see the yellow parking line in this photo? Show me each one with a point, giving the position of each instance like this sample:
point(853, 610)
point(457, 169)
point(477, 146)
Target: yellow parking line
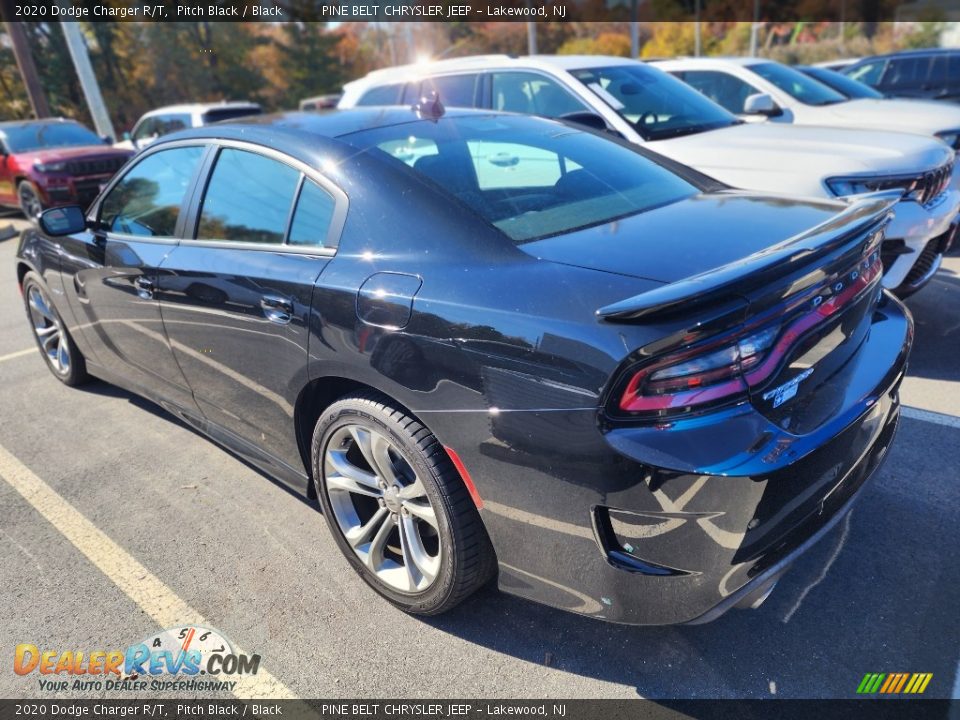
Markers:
point(19, 353)
point(139, 584)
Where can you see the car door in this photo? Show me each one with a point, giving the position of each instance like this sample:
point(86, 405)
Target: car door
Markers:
point(906, 77)
point(110, 272)
point(236, 294)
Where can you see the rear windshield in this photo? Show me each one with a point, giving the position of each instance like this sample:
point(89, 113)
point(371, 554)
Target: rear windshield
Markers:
point(36, 136)
point(529, 177)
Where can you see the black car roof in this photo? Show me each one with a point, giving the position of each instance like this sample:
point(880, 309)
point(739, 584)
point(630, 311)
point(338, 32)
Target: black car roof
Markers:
point(313, 124)
point(308, 136)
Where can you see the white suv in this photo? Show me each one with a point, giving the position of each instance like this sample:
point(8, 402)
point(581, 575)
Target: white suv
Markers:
point(767, 89)
point(648, 107)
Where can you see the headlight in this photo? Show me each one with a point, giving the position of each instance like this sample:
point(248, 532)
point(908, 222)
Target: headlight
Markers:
point(951, 138)
point(54, 167)
point(841, 187)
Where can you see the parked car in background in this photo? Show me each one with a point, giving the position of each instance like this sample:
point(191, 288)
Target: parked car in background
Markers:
point(320, 102)
point(172, 118)
point(649, 107)
point(846, 86)
point(922, 74)
point(50, 162)
point(782, 94)
point(837, 64)
point(552, 329)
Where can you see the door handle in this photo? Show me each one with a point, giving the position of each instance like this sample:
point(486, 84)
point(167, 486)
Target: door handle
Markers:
point(145, 287)
point(276, 309)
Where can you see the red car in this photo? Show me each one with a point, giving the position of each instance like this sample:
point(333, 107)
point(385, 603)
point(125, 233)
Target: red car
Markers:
point(50, 162)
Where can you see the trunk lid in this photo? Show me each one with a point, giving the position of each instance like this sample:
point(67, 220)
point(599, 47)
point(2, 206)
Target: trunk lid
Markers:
point(814, 293)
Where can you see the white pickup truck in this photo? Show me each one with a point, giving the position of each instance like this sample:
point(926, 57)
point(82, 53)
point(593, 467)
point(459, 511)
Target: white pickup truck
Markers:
point(649, 107)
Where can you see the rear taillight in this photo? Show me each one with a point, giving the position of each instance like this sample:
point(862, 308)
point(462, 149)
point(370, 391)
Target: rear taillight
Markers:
point(724, 369)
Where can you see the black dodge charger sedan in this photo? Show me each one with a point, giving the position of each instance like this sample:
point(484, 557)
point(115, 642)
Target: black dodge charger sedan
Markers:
point(494, 346)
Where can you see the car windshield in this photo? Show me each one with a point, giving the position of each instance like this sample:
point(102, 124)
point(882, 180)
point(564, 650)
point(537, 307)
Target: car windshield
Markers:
point(796, 84)
point(529, 177)
point(37, 136)
point(657, 104)
point(842, 84)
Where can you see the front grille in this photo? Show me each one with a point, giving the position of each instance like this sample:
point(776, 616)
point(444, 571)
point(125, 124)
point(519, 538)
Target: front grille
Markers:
point(97, 166)
point(934, 182)
point(87, 191)
point(923, 265)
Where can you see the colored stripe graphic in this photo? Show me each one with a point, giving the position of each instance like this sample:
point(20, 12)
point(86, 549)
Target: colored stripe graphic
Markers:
point(894, 683)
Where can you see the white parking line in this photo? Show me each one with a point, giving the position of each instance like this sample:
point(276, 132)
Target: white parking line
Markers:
point(19, 353)
point(950, 421)
point(139, 584)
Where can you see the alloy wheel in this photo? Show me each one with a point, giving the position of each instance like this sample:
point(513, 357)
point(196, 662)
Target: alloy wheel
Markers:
point(29, 202)
point(382, 508)
point(49, 332)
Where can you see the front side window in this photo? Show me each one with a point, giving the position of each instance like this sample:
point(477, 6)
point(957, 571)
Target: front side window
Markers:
point(533, 94)
point(147, 201)
point(723, 88)
point(797, 85)
point(527, 179)
point(658, 105)
point(248, 198)
point(869, 73)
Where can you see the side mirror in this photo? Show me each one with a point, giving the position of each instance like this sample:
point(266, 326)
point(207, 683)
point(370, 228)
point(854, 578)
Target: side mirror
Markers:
point(587, 119)
point(761, 104)
point(61, 221)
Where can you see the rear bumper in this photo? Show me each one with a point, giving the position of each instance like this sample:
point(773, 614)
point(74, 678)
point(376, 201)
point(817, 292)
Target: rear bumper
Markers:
point(645, 526)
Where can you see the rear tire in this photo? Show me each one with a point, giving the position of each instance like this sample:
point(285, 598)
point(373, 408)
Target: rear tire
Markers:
point(403, 518)
point(62, 356)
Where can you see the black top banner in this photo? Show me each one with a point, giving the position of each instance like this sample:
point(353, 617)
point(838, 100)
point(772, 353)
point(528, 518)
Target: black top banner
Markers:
point(383, 709)
point(480, 10)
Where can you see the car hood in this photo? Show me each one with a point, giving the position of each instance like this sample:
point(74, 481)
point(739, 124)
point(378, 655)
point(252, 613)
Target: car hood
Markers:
point(79, 152)
point(689, 237)
point(926, 117)
point(791, 150)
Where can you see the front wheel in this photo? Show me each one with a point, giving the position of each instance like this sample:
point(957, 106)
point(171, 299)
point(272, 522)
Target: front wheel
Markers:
point(29, 200)
point(396, 506)
point(61, 354)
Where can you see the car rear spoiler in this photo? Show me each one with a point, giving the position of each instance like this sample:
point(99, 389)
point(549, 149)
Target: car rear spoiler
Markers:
point(776, 260)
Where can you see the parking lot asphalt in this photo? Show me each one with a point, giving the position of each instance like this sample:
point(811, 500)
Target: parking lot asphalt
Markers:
point(135, 522)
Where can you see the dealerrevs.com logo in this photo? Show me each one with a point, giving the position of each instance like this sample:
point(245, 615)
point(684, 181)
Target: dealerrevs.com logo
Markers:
point(190, 657)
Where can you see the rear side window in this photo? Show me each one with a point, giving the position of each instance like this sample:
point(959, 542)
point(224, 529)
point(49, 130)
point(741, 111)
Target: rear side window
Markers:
point(220, 114)
point(383, 95)
point(312, 216)
point(907, 72)
point(453, 90)
point(248, 198)
point(937, 78)
point(533, 94)
point(147, 201)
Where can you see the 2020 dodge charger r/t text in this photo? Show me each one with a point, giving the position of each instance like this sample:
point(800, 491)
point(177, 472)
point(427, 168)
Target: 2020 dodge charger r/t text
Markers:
point(494, 345)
